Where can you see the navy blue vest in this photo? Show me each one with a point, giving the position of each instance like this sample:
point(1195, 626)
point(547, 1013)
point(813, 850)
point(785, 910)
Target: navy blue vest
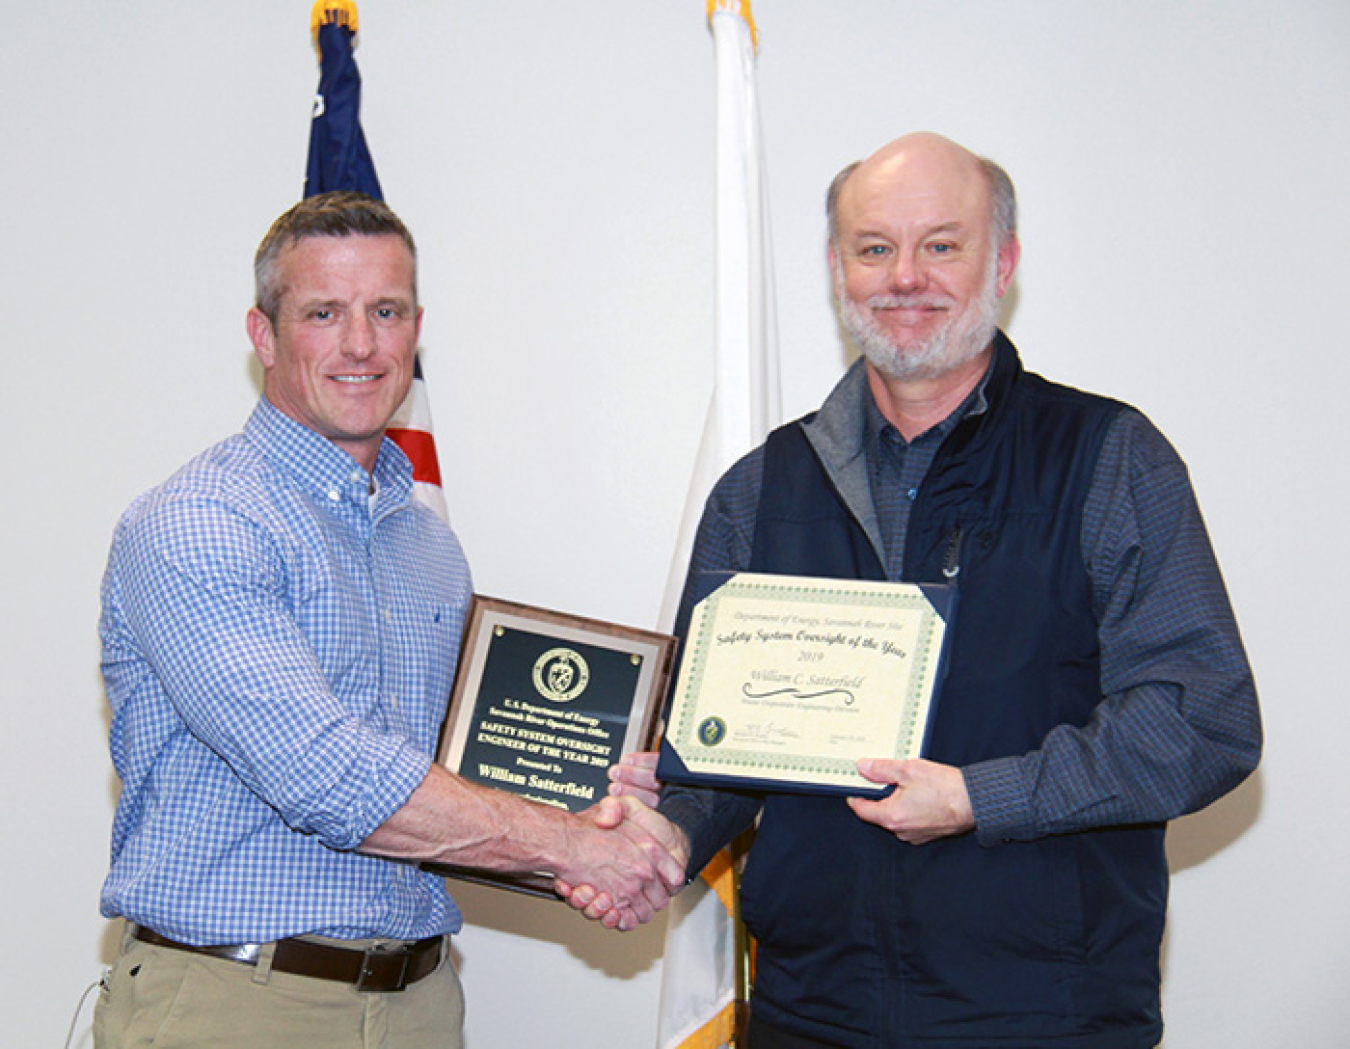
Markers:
point(865, 941)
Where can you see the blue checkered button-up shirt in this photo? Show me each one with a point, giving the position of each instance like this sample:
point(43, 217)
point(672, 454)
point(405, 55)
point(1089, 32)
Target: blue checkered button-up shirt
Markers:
point(278, 649)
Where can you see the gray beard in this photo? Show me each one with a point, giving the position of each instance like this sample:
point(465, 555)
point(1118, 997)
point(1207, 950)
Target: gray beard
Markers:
point(956, 343)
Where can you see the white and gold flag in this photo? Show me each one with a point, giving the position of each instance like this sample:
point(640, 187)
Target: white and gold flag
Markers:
point(703, 971)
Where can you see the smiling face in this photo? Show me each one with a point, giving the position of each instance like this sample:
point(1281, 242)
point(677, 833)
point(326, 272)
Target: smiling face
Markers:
point(917, 273)
point(339, 357)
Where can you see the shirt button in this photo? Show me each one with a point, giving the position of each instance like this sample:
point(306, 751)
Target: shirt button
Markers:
point(334, 495)
point(913, 494)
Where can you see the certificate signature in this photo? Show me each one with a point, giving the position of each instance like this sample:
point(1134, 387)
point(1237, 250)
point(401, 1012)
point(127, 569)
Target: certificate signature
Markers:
point(768, 733)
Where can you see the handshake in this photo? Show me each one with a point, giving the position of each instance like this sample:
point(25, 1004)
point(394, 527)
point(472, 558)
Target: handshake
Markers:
point(640, 857)
point(626, 860)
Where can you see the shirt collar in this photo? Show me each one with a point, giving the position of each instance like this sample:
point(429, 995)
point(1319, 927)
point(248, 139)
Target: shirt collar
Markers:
point(320, 466)
point(876, 427)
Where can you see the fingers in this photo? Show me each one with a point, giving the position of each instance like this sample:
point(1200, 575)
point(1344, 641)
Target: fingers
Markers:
point(880, 812)
point(598, 906)
point(607, 813)
point(666, 843)
point(635, 776)
point(930, 800)
point(882, 770)
point(628, 862)
point(646, 828)
point(875, 812)
point(609, 872)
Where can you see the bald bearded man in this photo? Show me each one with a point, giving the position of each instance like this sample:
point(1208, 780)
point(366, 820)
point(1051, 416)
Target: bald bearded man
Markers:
point(1011, 891)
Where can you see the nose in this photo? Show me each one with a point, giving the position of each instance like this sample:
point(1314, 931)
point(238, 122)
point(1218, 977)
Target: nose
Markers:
point(906, 273)
point(359, 339)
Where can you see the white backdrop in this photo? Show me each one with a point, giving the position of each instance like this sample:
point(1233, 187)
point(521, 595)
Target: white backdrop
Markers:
point(1181, 170)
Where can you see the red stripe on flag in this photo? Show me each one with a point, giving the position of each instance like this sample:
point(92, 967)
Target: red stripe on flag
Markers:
point(420, 447)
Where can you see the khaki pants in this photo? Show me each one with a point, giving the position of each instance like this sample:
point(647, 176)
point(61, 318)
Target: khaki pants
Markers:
point(168, 998)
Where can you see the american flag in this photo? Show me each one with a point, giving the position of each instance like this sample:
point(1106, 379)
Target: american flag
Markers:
point(339, 159)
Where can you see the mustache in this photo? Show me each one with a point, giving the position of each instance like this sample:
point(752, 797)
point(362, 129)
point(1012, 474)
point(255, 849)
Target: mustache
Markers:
point(910, 302)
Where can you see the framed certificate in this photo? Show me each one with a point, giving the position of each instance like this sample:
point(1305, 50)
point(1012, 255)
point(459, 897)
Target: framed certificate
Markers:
point(787, 681)
point(543, 703)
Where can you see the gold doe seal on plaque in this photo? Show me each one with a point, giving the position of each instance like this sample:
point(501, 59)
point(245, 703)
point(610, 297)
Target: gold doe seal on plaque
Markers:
point(561, 674)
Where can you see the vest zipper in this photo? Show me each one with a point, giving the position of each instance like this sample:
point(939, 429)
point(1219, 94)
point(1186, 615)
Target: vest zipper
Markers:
point(951, 565)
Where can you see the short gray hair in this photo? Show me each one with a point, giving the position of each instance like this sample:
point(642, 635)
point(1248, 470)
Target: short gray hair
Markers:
point(832, 199)
point(341, 213)
point(1002, 201)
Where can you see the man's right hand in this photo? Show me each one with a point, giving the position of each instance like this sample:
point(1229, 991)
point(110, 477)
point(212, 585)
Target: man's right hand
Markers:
point(619, 848)
point(625, 824)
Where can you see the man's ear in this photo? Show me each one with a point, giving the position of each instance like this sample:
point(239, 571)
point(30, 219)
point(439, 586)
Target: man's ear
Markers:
point(262, 336)
point(1008, 256)
point(836, 268)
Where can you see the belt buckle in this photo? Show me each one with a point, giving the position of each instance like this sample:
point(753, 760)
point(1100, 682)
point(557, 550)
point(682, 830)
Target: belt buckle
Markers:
point(368, 969)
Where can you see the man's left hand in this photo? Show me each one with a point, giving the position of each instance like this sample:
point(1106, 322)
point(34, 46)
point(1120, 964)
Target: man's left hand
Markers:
point(930, 801)
point(635, 776)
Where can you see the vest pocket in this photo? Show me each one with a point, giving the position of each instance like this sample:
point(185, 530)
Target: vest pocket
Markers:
point(999, 926)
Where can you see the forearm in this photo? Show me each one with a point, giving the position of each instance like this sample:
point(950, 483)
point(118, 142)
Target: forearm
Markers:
point(450, 820)
point(1141, 759)
point(708, 819)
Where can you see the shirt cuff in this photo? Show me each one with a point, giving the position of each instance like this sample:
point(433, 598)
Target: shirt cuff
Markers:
point(393, 789)
point(1000, 798)
point(370, 788)
point(689, 818)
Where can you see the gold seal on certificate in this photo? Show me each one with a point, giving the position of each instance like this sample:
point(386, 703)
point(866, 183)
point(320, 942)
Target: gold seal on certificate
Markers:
point(788, 680)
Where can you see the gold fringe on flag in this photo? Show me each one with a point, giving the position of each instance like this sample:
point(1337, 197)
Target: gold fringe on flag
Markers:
point(333, 12)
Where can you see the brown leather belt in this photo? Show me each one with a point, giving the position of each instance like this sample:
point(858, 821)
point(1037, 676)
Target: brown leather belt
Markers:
point(380, 969)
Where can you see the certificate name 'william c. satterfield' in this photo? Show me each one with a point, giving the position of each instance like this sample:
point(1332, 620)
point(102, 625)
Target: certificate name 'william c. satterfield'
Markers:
point(788, 680)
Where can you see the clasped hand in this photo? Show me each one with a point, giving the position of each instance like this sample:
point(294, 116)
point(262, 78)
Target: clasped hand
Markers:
point(607, 891)
point(930, 801)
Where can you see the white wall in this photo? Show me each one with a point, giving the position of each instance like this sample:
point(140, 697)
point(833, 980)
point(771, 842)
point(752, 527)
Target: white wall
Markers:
point(1185, 231)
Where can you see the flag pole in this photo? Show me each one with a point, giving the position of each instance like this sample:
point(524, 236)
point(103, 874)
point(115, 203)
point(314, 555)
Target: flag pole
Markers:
point(707, 971)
